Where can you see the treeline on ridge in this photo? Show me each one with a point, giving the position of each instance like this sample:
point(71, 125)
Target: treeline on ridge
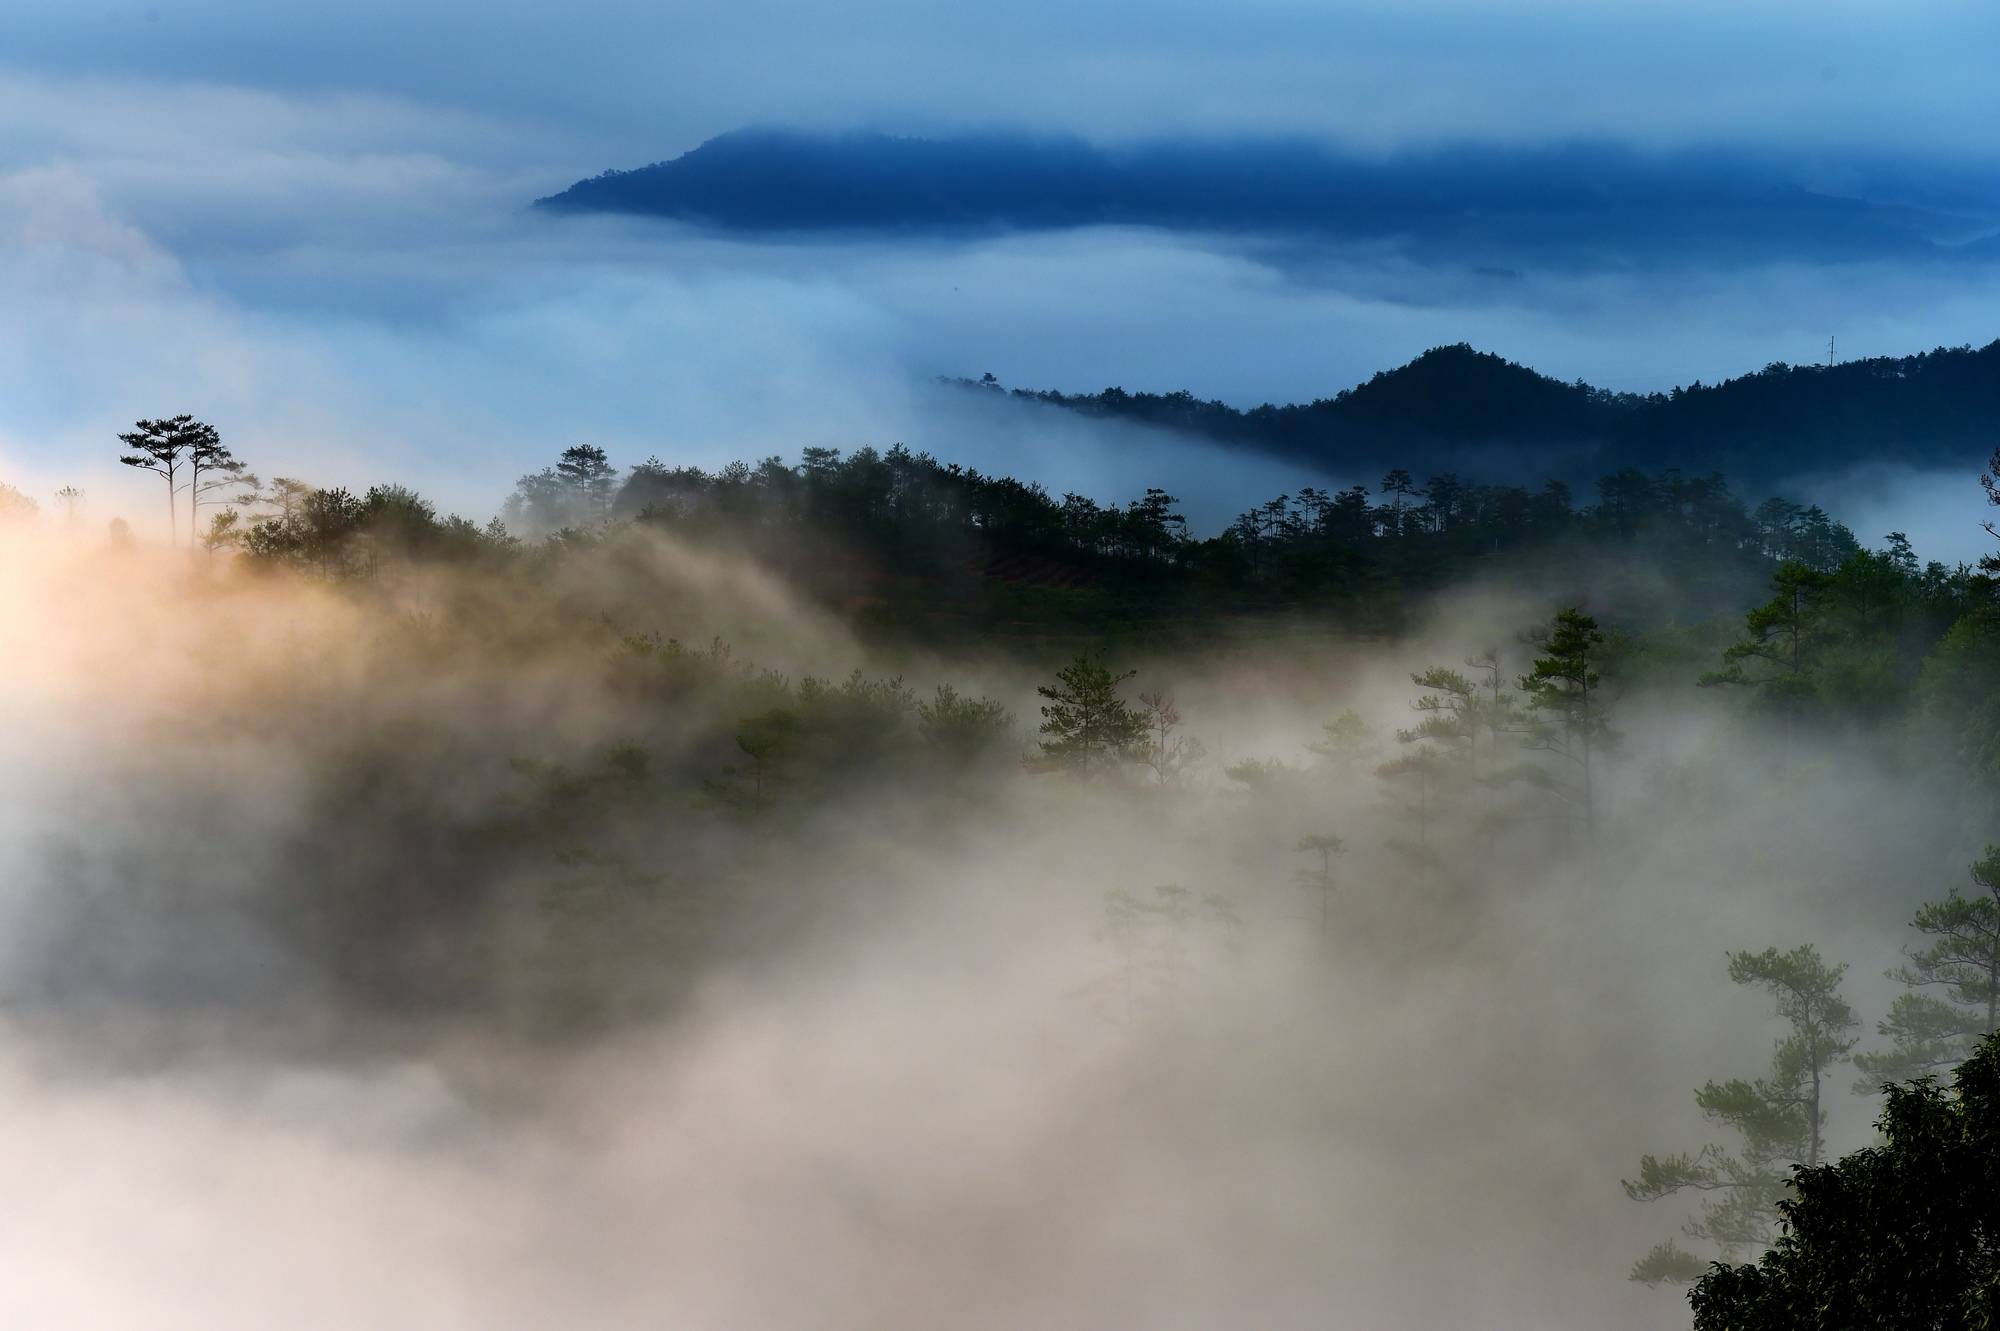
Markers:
point(1783, 420)
point(901, 542)
point(906, 538)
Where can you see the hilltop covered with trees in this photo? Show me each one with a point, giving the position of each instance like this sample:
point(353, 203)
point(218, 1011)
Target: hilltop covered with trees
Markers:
point(912, 545)
point(1453, 405)
point(1563, 207)
point(906, 539)
point(913, 550)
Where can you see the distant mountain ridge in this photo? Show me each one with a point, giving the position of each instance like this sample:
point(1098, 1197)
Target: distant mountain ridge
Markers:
point(1455, 407)
point(1485, 210)
point(1477, 205)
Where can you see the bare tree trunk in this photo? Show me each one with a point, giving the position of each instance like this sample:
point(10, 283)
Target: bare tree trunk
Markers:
point(1812, 1159)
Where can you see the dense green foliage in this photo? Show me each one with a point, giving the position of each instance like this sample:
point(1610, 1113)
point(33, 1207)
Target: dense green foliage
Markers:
point(1088, 727)
point(1902, 1234)
point(1564, 707)
point(906, 540)
point(905, 546)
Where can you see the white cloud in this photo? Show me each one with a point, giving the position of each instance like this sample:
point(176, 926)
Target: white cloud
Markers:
point(347, 285)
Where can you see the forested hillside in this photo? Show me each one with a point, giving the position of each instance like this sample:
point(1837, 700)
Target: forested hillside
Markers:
point(1355, 799)
point(913, 545)
point(1457, 407)
point(1595, 207)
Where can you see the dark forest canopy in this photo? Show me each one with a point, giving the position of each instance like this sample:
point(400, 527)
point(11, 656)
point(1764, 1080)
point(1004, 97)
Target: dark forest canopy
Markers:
point(912, 550)
point(1453, 406)
point(1568, 205)
point(908, 533)
point(915, 550)
point(905, 535)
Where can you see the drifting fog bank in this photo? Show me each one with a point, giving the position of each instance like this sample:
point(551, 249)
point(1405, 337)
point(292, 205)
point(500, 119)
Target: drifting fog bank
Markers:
point(357, 974)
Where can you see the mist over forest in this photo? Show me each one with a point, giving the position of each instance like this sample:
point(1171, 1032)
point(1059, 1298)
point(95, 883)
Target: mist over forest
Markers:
point(860, 890)
point(1082, 666)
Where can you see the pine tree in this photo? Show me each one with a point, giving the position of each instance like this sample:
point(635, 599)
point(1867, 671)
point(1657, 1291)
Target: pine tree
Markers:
point(1778, 654)
point(1903, 1233)
point(1492, 715)
point(1446, 714)
point(1929, 1033)
point(1347, 741)
point(1399, 486)
point(163, 447)
point(1779, 1117)
point(1437, 750)
point(1566, 709)
point(1089, 728)
point(1153, 937)
point(1169, 754)
point(211, 468)
point(586, 471)
point(1319, 878)
point(962, 730)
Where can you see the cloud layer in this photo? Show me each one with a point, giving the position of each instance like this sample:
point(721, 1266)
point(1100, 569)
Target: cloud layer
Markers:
point(311, 231)
point(643, 81)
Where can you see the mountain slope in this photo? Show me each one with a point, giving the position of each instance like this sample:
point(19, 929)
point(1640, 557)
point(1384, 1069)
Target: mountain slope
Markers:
point(1563, 205)
point(1454, 407)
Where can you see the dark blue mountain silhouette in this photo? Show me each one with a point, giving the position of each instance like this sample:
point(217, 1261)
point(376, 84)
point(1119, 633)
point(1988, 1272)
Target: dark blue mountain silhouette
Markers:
point(1490, 206)
point(1457, 407)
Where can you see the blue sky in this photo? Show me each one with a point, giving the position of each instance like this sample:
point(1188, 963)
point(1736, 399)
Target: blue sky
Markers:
point(303, 220)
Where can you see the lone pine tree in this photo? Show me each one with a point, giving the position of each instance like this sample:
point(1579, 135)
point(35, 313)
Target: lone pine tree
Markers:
point(1087, 727)
point(1778, 1117)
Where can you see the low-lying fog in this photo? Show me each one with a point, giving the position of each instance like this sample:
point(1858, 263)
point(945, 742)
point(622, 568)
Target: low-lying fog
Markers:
point(405, 955)
point(281, 1046)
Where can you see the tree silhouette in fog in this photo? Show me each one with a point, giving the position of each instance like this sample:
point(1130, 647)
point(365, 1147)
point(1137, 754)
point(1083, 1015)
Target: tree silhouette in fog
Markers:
point(1169, 754)
point(166, 448)
point(1778, 654)
point(211, 468)
point(1438, 751)
point(1567, 714)
point(1157, 938)
point(577, 492)
point(1087, 727)
point(1779, 1117)
point(588, 473)
point(960, 729)
point(15, 506)
point(1903, 1234)
point(1345, 742)
point(1319, 878)
point(1954, 983)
